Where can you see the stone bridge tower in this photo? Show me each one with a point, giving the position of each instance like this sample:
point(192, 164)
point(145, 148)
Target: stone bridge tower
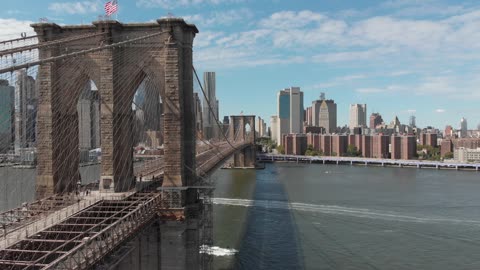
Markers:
point(242, 127)
point(165, 59)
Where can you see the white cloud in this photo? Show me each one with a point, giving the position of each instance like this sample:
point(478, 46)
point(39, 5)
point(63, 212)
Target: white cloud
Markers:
point(181, 3)
point(339, 81)
point(440, 110)
point(12, 28)
point(352, 55)
point(388, 89)
point(411, 111)
point(220, 18)
point(291, 19)
point(79, 7)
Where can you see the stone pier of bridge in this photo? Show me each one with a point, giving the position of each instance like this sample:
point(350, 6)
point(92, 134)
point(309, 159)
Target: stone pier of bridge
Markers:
point(242, 127)
point(166, 60)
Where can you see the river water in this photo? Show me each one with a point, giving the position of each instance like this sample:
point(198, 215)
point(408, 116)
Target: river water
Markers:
point(312, 216)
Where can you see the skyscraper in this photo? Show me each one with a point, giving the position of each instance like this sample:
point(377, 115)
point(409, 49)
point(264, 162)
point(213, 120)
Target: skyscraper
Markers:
point(7, 123)
point(198, 113)
point(88, 109)
point(413, 122)
point(290, 111)
point(25, 111)
point(210, 112)
point(274, 129)
point(375, 120)
point(328, 115)
point(463, 127)
point(358, 115)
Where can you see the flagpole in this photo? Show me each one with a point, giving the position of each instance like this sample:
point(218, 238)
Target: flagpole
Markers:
point(116, 12)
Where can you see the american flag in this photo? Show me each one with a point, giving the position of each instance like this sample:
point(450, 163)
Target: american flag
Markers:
point(111, 7)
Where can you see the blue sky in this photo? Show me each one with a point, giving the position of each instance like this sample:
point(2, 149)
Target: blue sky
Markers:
point(400, 57)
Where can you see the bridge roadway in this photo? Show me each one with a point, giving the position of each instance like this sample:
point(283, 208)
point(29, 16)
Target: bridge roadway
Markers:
point(370, 161)
point(77, 232)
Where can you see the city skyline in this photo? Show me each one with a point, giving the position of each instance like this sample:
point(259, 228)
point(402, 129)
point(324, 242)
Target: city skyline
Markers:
point(356, 52)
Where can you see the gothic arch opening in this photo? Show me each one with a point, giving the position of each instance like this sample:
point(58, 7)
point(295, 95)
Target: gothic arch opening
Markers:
point(89, 142)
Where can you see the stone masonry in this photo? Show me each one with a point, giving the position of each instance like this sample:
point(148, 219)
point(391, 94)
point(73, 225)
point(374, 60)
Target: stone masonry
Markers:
point(165, 59)
point(245, 158)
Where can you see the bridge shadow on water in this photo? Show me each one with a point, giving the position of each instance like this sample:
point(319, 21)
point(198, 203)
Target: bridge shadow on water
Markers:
point(270, 239)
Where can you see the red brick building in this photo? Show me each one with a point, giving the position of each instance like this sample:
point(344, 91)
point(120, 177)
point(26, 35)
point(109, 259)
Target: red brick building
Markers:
point(367, 146)
point(395, 147)
point(295, 144)
point(339, 145)
point(380, 146)
point(409, 147)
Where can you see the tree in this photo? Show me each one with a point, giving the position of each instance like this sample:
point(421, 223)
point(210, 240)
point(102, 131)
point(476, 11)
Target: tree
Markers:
point(352, 151)
point(449, 155)
point(281, 149)
point(311, 151)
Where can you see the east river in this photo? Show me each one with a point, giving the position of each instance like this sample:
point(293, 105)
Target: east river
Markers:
point(312, 216)
point(304, 216)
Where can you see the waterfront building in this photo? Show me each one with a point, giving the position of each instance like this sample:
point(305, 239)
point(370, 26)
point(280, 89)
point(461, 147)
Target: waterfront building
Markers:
point(471, 143)
point(367, 146)
point(326, 145)
point(7, 116)
point(290, 111)
point(380, 146)
point(409, 147)
point(463, 154)
point(295, 144)
point(313, 139)
point(446, 147)
point(375, 120)
point(339, 145)
point(395, 147)
point(358, 115)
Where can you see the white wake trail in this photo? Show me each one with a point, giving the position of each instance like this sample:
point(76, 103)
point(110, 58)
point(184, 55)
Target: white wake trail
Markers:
point(340, 210)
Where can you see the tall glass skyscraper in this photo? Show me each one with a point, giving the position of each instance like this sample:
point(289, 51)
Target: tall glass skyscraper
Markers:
point(290, 111)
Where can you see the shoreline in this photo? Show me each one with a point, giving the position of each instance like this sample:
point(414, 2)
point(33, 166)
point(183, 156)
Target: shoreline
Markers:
point(371, 162)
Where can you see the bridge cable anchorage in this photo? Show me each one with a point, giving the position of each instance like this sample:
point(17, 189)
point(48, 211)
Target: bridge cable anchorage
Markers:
point(210, 107)
point(79, 53)
point(46, 44)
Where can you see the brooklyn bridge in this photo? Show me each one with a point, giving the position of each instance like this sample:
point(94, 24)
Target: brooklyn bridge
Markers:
point(165, 200)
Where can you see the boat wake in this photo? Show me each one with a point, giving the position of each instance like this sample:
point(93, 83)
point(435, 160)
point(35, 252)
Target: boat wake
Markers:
point(341, 210)
point(217, 251)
